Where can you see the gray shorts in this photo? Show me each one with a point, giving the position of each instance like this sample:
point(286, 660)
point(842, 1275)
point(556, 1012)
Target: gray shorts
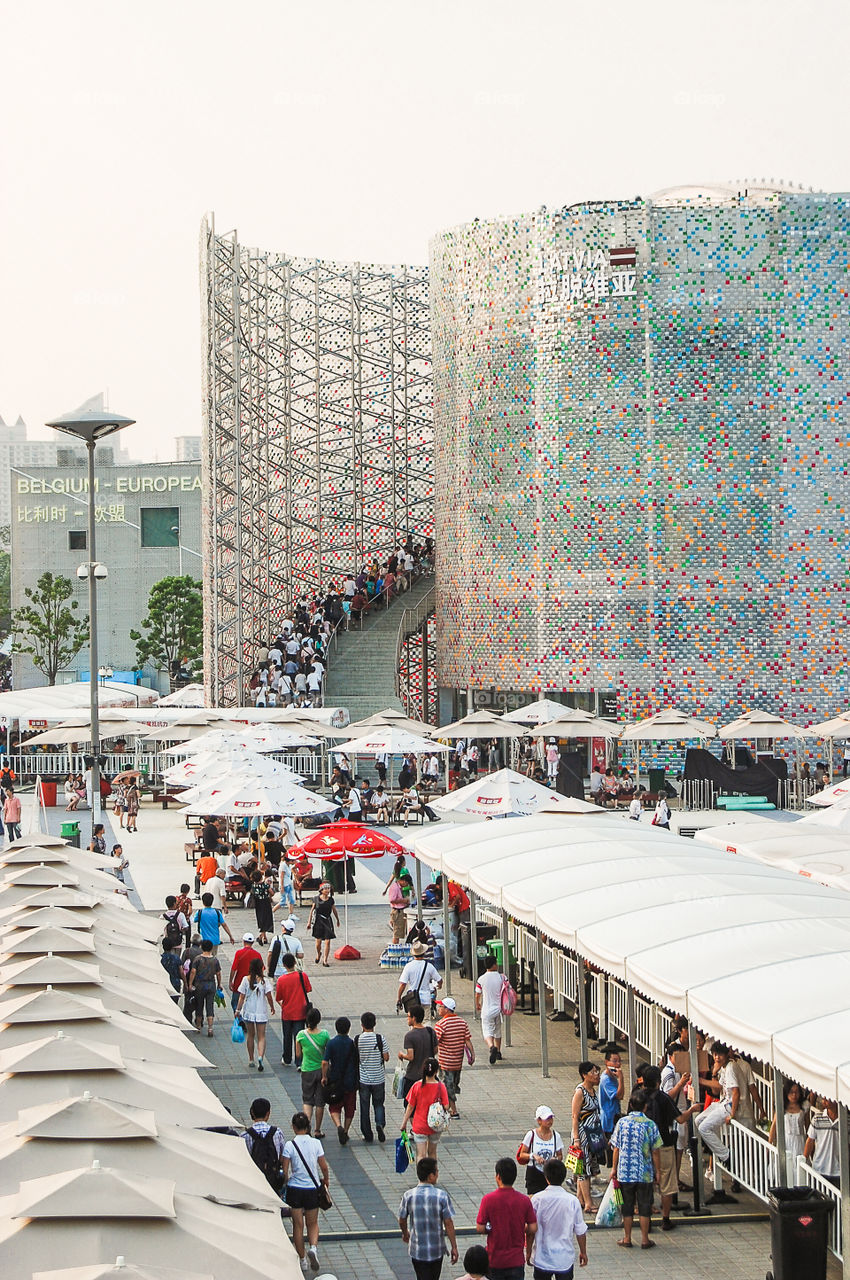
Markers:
point(312, 1094)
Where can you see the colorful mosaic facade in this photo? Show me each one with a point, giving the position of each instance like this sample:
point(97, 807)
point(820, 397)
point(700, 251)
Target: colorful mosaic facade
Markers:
point(641, 417)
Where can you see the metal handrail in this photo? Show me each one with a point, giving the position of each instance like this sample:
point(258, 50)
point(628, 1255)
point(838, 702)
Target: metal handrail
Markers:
point(409, 623)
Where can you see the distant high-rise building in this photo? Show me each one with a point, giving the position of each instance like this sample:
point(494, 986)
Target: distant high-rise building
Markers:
point(188, 448)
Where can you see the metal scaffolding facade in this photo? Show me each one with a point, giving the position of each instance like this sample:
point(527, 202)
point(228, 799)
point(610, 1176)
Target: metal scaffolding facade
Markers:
point(318, 438)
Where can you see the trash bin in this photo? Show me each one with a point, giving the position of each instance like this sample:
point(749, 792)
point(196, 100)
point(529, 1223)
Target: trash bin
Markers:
point(799, 1232)
point(494, 946)
point(48, 792)
point(71, 833)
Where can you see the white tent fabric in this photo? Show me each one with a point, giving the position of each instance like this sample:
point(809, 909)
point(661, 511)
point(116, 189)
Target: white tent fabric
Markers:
point(537, 712)
point(749, 952)
point(55, 702)
point(385, 740)
point(813, 849)
point(830, 795)
point(505, 792)
point(669, 725)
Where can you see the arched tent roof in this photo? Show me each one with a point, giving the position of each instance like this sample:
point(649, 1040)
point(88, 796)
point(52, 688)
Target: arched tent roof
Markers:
point(756, 955)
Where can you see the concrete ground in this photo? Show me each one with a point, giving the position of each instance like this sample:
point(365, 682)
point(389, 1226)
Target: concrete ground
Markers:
point(360, 1234)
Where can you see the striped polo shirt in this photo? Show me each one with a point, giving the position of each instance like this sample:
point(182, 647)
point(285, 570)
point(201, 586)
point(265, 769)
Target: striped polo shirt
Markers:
point(452, 1033)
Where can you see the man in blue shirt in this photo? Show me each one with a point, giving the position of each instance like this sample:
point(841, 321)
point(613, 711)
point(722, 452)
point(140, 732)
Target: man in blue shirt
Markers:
point(611, 1087)
point(423, 1214)
point(210, 922)
point(637, 1165)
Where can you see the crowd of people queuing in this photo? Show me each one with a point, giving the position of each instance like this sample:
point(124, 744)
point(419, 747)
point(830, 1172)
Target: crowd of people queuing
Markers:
point(639, 1131)
point(290, 668)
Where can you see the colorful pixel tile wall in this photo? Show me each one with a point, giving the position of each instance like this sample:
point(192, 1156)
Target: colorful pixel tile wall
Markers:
point(641, 420)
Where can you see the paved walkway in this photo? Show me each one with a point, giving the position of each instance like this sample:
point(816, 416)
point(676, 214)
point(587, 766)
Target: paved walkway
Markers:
point(497, 1106)
point(360, 1234)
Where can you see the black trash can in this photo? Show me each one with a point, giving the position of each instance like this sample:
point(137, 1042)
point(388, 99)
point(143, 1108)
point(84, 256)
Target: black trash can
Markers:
point(799, 1232)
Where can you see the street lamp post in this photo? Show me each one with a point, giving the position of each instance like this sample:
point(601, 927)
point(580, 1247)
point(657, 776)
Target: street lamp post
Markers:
point(90, 423)
point(175, 529)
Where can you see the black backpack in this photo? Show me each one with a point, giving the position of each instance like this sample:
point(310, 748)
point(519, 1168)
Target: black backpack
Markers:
point(173, 932)
point(265, 1156)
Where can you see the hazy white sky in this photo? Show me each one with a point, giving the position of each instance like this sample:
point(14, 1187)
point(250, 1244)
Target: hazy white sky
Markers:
point(350, 130)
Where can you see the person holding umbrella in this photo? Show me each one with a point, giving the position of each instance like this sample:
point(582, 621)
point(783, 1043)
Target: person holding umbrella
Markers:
point(323, 914)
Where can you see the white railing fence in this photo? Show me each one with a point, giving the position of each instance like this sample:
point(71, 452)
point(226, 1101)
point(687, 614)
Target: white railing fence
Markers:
point(806, 1177)
point(752, 1159)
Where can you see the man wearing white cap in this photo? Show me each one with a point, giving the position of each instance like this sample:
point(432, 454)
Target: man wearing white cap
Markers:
point(418, 978)
point(454, 1040)
point(283, 943)
point(241, 966)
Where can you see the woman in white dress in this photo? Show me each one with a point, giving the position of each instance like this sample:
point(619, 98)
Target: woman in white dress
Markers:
point(255, 1005)
point(796, 1122)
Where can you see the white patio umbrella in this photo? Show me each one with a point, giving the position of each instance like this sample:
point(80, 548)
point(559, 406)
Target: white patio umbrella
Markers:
point(668, 725)
point(391, 718)
point(121, 1269)
point(55, 856)
point(505, 793)
point(30, 1017)
point(480, 724)
point(829, 795)
point(574, 723)
point(246, 797)
point(77, 728)
point(38, 839)
point(762, 724)
point(385, 740)
point(74, 1133)
point(212, 766)
point(191, 695)
point(835, 815)
point(196, 1236)
point(61, 1066)
point(227, 739)
point(831, 731)
point(190, 725)
point(145, 999)
point(538, 712)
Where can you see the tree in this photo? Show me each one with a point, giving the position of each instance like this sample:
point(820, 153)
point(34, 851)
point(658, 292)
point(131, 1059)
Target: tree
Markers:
point(47, 628)
point(5, 580)
point(174, 632)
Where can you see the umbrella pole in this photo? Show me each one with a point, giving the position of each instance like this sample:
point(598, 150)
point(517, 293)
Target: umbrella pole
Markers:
point(345, 888)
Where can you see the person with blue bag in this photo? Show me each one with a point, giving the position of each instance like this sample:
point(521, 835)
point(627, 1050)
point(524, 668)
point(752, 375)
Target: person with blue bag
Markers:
point(255, 1006)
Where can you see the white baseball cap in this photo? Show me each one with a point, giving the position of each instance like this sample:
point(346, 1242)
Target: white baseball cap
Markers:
point(544, 1113)
point(247, 937)
point(448, 1003)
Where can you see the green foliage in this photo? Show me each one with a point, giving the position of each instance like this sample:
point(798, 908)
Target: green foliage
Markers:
point(172, 634)
point(47, 628)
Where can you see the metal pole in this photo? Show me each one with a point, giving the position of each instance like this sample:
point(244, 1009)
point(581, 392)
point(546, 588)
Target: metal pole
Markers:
point(473, 941)
point(695, 1144)
point(417, 867)
point(581, 978)
point(779, 1108)
point(93, 693)
point(544, 1030)
point(630, 1031)
point(447, 936)
point(844, 1176)
point(506, 966)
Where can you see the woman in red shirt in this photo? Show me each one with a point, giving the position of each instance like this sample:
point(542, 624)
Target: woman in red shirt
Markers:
point(420, 1099)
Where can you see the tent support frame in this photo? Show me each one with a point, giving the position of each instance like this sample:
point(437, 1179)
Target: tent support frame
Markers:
point(844, 1182)
point(473, 942)
point(447, 935)
point(541, 993)
point(506, 1027)
point(581, 1005)
point(779, 1109)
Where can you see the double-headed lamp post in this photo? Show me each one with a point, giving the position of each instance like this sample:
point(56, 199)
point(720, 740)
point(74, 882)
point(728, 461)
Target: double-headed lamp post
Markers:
point(91, 424)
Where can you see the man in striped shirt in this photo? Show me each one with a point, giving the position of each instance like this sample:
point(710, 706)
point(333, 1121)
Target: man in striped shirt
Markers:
point(453, 1037)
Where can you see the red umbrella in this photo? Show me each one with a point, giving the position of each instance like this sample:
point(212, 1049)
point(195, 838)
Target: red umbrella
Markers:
point(346, 840)
point(338, 841)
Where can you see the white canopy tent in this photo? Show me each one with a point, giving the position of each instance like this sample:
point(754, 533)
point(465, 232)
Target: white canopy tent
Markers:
point(810, 847)
point(698, 930)
point(57, 701)
point(506, 792)
point(537, 712)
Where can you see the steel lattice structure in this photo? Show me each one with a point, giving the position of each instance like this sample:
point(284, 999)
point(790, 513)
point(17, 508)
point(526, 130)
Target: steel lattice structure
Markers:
point(318, 441)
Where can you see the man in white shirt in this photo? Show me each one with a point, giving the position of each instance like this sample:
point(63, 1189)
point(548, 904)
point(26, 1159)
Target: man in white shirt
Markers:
point(419, 976)
point(821, 1149)
point(559, 1219)
point(595, 785)
point(353, 807)
point(488, 999)
point(215, 886)
point(285, 942)
point(275, 656)
point(710, 1123)
point(314, 682)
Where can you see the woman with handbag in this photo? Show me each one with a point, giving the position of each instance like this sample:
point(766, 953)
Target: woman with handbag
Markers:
point(255, 1005)
point(587, 1131)
point(305, 1171)
point(422, 1099)
point(540, 1144)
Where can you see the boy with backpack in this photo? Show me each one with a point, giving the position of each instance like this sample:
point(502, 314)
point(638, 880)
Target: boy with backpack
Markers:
point(176, 924)
point(265, 1143)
